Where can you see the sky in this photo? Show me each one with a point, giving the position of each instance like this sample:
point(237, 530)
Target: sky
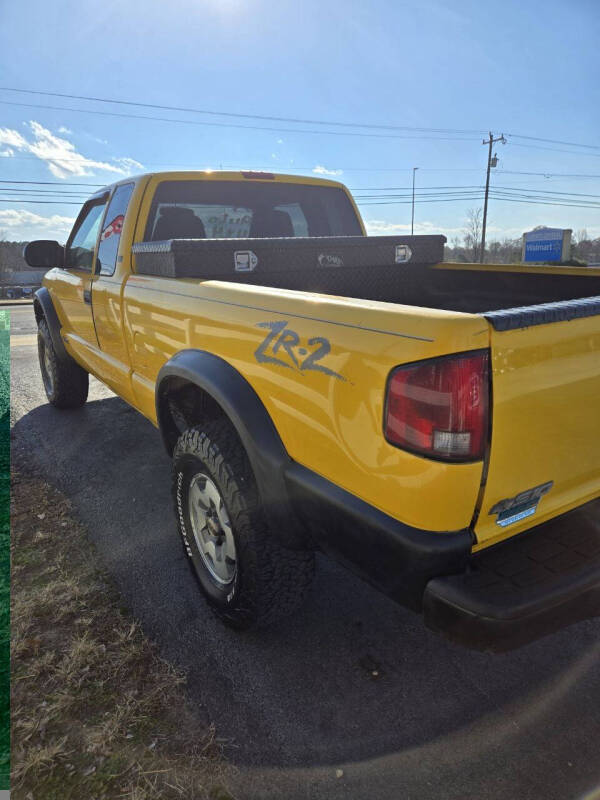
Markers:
point(417, 84)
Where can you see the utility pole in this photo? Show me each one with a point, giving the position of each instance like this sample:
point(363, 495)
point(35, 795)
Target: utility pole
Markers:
point(412, 220)
point(491, 141)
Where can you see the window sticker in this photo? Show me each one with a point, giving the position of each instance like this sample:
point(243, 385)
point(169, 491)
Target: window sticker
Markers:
point(113, 228)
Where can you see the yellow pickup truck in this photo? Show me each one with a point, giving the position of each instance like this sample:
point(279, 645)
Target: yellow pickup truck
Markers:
point(434, 426)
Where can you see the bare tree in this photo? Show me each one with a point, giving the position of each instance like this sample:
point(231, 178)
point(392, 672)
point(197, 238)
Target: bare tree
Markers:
point(472, 235)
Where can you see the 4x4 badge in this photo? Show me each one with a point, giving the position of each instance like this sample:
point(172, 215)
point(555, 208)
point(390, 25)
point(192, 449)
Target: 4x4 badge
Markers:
point(525, 504)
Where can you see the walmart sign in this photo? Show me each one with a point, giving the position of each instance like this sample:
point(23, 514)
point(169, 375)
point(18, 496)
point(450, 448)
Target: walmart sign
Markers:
point(547, 244)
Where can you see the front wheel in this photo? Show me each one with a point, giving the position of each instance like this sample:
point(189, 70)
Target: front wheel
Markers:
point(246, 575)
point(65, 382)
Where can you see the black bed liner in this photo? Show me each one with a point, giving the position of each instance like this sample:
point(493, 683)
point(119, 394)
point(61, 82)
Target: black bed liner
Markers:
point(298, 259)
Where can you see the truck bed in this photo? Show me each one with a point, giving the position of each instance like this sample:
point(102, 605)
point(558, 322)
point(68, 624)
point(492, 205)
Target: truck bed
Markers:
point(369, 268)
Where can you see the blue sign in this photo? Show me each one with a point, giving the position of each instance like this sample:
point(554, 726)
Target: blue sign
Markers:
point(545, 244)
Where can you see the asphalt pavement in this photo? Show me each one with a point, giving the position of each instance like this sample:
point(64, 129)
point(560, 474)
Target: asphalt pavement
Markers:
point(299, 706)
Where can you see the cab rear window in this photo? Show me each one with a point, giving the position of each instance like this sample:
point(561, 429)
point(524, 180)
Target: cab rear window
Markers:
point(228, 209)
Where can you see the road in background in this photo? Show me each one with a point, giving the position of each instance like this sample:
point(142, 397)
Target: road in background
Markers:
point(300, 702)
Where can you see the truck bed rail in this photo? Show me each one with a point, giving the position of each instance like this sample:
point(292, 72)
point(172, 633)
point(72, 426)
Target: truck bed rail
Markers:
point(525, 316)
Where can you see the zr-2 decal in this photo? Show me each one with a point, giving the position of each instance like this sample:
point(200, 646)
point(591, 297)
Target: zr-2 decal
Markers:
point(282, 346)
point(524, 505)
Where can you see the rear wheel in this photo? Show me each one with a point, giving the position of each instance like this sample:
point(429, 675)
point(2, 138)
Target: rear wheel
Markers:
point(246, 575)
point(65, 382)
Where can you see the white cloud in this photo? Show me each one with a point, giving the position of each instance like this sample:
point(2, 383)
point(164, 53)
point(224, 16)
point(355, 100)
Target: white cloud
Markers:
point(63, 129)
point(61, 155)
point(128, 165)
point(381, 227)
point(12, 138)
point(7, 153)
point(320, 170)
point(23, 225)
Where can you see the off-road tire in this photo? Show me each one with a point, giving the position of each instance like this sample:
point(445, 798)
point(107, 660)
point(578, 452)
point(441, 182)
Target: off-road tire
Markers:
point(270, 581)
point(65, 382)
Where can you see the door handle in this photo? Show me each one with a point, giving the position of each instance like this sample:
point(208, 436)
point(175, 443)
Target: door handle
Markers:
point(87, 296)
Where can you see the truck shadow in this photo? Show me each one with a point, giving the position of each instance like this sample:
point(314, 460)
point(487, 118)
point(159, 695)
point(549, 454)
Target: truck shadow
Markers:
point(351, 677)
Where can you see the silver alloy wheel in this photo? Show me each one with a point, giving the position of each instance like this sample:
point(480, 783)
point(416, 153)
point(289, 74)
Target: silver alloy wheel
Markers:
point(212, 529)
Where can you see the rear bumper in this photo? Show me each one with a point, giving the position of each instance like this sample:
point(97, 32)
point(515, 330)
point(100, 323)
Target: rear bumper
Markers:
point(498, 599)
point(524, 588)
point(396, 558)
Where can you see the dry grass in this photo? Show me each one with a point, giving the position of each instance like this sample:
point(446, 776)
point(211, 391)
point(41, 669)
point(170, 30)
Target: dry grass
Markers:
point(96, 713)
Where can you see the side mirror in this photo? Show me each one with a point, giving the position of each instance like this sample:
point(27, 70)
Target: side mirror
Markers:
point(44, 253)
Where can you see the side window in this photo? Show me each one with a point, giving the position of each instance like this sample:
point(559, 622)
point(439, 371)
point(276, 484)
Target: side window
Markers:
point(82, 242)
point(113, 225)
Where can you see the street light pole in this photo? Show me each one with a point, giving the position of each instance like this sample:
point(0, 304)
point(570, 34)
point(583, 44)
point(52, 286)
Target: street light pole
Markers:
point(412, 220)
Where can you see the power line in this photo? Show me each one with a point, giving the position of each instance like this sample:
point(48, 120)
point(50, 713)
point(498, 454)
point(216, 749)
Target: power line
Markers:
point(549, 174)
point(62, 184)
point(294, 120)
point(233, 125)
point(362, 203)
point(310, 168)
point(554, 149)
point(458, 196)
point(420, 189)
point(545, 198)
point(55, 192)
point(62, 189)
point(53, 183)
point(51, 202)
point(408, 202)
point(544, 203)
point(554, 141)
point(543, 191)
point(240, 116)
point(431, 196)
point(433, 188)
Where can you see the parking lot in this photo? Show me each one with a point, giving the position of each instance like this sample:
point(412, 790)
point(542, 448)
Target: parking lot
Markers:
point(297, 703)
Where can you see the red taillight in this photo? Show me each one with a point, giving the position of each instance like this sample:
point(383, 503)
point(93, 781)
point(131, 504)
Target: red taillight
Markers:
point(439, 408)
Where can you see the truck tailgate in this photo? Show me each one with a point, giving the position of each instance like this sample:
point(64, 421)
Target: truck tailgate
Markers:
point(545, 447)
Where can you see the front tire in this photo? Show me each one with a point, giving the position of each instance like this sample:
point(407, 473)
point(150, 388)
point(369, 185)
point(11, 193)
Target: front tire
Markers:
point(65, 382)
point(245, 574)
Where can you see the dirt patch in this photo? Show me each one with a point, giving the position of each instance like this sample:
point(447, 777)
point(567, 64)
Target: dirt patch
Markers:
point(96, 713)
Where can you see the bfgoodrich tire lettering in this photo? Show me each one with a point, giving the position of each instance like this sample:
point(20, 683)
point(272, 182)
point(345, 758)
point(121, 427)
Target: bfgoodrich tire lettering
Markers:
point(65, 382)
point(268, 581)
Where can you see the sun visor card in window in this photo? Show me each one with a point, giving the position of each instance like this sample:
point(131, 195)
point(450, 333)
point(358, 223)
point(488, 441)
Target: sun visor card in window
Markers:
point(258, 260)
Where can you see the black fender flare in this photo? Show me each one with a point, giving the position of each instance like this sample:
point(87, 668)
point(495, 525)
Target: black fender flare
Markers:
point(43, 302)
point(247, 413)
